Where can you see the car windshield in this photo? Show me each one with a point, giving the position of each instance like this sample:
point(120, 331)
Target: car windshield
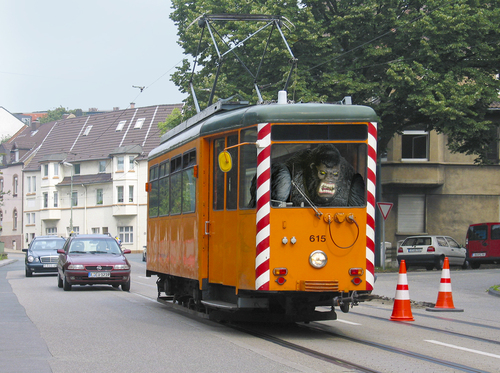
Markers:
point(94, 246)
point(48, 244)
point(414, 241)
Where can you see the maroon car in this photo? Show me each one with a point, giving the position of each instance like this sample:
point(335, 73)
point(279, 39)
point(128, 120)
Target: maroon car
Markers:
point(93, 259)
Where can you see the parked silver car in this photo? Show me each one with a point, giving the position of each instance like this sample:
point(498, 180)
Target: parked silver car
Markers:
point(430, 251)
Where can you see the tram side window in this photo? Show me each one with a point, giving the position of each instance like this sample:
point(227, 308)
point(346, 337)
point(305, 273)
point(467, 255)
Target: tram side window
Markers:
point(218, 192)
point(248, 166)
point(175, 185)
point(164, 188)
point(232, 175)
point(153, 193)
point(188, 182)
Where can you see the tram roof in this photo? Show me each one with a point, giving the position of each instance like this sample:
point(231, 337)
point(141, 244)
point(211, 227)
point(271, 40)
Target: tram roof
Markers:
point(221, 119)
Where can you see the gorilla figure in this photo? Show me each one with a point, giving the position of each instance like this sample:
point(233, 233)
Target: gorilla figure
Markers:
point(322, 174)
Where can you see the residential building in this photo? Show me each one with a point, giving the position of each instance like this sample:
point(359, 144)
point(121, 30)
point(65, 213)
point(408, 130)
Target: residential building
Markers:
point(88, 175)
point(435, 191)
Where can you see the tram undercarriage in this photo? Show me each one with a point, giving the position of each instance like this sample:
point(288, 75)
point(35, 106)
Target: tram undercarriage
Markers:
point(221, 302)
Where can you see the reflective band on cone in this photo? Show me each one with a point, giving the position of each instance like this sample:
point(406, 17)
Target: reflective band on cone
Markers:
point(402, 306)
point(445, 297)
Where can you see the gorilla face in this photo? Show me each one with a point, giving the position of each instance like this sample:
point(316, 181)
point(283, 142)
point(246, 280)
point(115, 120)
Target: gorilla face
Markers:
point(327, 178)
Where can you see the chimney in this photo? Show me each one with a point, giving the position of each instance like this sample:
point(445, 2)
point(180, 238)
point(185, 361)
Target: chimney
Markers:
point(116, 108)
point(35, 125)
point(132, 105)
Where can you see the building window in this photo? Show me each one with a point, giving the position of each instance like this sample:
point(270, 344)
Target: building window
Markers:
point(139, 122)
point(131, 162)
point(45, 170)
point(87, 130)
point(28, 179)
point(33, 179)
point(411, 214)
point(119, 193)
point(119, 163)
point(45, 200)
point(51, 231)
point(120, 125)
point(33, 221)
point(28, 218)
point(74, 199)
point(14, 219)
point(76, 169)
point(415, 145)
point(96, 230)
point(131, 193)
point(56, 199)
point(126, 234)
point(56, 169)
point(99, 197)
point(75, 230)
point(1, 184)
point(14, 186)
point(102, 166)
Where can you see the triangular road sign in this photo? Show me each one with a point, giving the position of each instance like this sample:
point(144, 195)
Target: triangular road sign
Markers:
point(385, 208)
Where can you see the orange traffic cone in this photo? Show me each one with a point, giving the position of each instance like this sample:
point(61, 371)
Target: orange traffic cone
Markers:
point(402, 306)
point(445, 298)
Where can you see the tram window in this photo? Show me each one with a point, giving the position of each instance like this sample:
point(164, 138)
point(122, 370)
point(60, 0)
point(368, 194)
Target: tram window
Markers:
point(248, 166)
point(218, 192)
point(342, 132)
point(324, 174)
point(232, 175)
point(175, 186)
point(153, 193)
point(188, 191)
point(164, 189)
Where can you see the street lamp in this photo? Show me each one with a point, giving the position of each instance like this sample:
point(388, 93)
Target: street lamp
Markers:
point(67, 164)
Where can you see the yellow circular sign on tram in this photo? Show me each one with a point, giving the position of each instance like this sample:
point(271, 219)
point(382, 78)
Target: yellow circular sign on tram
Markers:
point(225, 161)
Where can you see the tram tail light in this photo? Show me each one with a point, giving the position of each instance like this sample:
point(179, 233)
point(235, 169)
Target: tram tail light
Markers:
point(148, 187)
point(356, 271)
point(280, 271)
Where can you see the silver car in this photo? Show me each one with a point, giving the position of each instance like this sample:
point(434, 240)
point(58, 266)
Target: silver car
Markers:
point(430, 251)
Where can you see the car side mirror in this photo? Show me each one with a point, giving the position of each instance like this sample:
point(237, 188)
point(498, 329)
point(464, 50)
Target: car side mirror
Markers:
point(126, 251)
point(61, 251)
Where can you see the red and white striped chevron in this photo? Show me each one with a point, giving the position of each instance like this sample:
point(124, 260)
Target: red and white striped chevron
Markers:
point(262, 274)
point(370, 205)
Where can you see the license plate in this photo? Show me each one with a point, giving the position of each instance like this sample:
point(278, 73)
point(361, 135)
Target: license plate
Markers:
point(99, 274)
point(478, 254)
point(50, 265)
point(414, 250)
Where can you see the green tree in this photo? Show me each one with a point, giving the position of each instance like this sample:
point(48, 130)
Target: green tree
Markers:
point(172, 120)
point(57, 114)
point(433, 64)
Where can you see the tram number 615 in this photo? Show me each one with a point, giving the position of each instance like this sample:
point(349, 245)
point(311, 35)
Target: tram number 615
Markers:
point(317, 238)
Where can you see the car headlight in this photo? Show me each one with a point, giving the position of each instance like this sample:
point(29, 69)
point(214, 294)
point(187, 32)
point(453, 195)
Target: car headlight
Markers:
point(122, 266)
point(31, 258)
point(76, 266)
point(318, 259)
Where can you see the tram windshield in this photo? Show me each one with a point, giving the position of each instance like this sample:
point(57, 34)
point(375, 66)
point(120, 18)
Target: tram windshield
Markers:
point(310, 173)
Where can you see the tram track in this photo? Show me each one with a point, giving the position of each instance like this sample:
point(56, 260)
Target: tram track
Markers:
point(325, 330)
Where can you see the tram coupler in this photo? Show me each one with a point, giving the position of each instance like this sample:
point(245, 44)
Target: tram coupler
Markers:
point(344, 302)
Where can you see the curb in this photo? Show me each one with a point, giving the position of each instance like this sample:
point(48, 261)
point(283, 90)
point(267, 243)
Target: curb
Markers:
point(494, 292)
point(7, 261)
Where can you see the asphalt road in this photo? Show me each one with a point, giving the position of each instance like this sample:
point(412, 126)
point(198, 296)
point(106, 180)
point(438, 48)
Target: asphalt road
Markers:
point(101, 329)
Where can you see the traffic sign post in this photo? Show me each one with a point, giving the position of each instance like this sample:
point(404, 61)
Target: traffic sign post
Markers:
point(385, 209)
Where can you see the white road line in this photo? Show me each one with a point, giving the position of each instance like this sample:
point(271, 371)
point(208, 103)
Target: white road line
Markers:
point(148, 285)
point(348, 322)
point(147, 298)
point(464, 349)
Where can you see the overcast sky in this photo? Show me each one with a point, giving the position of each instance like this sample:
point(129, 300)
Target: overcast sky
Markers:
point(82, 54)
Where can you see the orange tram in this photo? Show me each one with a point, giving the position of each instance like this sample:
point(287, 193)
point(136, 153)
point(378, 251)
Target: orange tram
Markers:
point(265, 212)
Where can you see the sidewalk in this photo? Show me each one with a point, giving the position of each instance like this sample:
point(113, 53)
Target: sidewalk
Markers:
point(9, 259)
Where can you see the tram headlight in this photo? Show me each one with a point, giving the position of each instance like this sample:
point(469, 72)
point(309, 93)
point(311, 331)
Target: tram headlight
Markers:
point(318, 259)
